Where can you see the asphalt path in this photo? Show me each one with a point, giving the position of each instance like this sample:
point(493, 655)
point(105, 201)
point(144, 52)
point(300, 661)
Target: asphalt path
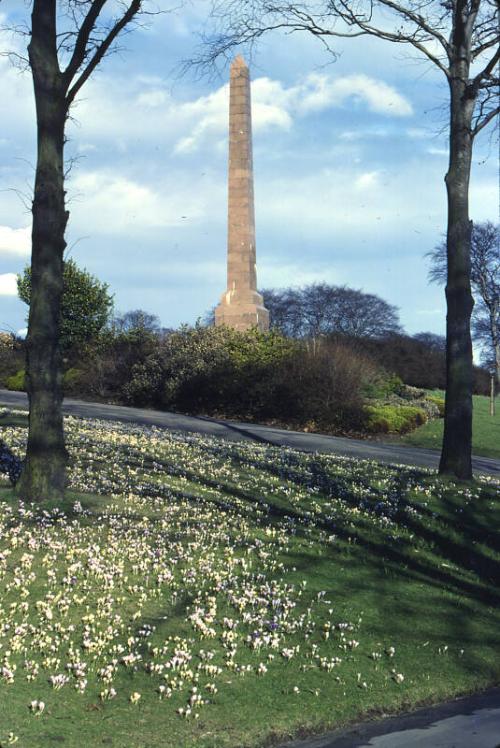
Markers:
point(471, 722)
point(236, 431)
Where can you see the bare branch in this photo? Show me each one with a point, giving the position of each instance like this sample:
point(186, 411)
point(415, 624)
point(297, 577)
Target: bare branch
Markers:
point(481, 124)
point(487, 70)
point(419, 21)
point(103, 48)
point(82, 38)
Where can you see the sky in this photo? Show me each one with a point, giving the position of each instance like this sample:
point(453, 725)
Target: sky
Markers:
point(349, 164)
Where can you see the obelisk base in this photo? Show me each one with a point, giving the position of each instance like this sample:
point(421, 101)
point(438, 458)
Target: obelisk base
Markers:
point(242, 311)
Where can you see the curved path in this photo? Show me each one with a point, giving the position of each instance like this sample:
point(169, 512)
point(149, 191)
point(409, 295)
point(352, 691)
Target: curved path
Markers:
point(470, 722)
point(366, 450)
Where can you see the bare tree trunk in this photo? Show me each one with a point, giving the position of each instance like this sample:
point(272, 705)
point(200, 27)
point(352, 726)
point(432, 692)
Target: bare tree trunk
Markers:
point(44, 475)
point(457, 439)
point(495, 336)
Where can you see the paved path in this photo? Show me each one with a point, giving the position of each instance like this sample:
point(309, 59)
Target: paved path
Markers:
point(367, 450)
point(471, 722)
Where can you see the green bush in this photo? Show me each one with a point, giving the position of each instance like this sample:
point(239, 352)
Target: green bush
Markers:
point(71, 380)
point(393, 418)
point(439, 401)
point(211, 369)
point(17, 381)
point(382, 385)
point(12, 358)
point(255, 375)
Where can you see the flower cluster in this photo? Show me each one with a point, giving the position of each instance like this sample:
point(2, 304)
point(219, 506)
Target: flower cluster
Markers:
point(192, 527)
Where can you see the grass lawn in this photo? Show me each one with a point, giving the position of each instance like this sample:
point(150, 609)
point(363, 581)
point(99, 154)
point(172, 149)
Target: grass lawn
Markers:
point(485, 430)
point(198, 593)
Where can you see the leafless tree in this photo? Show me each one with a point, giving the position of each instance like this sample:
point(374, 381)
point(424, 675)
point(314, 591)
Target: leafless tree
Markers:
point(322, 309)
point(485, 280)
point(68, 39)
point(461, 39)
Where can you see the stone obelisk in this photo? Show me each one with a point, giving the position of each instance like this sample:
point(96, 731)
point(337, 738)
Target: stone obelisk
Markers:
point(241, 307)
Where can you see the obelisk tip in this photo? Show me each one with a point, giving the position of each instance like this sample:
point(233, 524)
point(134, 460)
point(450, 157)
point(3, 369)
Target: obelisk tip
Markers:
point(238, 62)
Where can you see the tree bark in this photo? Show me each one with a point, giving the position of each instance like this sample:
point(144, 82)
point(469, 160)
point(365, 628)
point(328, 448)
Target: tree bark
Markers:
point(44, 474)
point(495, 337)
point(457, 439)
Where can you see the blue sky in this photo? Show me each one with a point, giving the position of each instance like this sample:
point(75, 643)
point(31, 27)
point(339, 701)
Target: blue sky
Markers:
point(349, 162)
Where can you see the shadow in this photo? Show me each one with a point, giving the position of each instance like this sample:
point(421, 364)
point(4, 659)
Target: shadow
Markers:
point(230, 426)
point(477, 574)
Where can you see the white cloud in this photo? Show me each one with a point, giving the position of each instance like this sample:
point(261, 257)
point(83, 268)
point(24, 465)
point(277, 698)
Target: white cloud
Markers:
point(337, 202)
point(430, 312)
point(273, 105)
point(438, 151)
point(320, 92)
point(142, 108)
point(272, 274)
point(15, 241)
point(8, 284)
point(369, 179)
point(15, 86)
point(114, 204)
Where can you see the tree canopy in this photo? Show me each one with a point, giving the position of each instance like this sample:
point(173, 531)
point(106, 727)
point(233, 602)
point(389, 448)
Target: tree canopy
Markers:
point(322, 309)
point(86, 304)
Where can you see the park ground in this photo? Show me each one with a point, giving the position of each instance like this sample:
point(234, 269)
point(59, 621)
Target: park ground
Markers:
point(485, 430)
point(197, 592)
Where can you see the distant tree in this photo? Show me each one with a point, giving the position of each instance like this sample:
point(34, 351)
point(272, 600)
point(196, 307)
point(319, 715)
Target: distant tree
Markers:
point(432, 341)
point(321, 309)
point(86, 304)
point(137, 320)
point(285, 310)
point(485, 280)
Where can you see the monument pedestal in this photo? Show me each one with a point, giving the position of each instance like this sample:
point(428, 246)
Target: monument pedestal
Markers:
point(241, 311)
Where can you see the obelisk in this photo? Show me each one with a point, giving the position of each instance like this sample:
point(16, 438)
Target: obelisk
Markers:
point(241, 307)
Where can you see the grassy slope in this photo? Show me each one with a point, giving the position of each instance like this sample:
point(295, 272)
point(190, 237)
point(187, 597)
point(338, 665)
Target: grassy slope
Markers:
point(485, 431)
point(406, 560)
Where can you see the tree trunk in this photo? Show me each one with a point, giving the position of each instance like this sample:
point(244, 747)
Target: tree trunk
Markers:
point(495, 337)
point(457, 441)
point(44, 474)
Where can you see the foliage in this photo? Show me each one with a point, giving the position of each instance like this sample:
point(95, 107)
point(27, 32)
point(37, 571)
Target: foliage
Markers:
point(12, 357)
point(382, 385)
point(419, 361)
point(220, 371)
point(269, 591)
point(7, 341)
point(17, 381)
point(71, 380)
point(211, 369)
point(315, 384)
point(136, 321)
point(439, 401)
point(324, 385)
point(85, 308)
point(393, 418)
point(107, 364)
